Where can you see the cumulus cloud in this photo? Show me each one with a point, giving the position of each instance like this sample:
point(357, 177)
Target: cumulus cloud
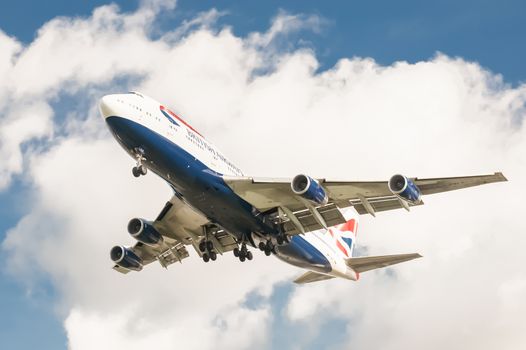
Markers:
point(356, 120)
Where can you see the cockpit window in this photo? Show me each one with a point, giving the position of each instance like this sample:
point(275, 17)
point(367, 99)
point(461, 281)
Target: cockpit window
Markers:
point(135, 93)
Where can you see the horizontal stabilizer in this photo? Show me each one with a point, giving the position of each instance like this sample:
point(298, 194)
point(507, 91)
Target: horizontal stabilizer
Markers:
point(310, 276)
point(367, 263)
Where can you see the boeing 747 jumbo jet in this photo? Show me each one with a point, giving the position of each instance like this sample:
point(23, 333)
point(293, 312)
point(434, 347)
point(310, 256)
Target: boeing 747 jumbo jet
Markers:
point(310, 223)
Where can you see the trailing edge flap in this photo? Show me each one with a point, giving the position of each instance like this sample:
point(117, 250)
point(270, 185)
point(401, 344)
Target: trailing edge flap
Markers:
point(367, 263)
point(310, 276)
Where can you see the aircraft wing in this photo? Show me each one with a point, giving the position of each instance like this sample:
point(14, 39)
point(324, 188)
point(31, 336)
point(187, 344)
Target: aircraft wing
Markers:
point(367, 263)
point(180, 226)
point(367, 197)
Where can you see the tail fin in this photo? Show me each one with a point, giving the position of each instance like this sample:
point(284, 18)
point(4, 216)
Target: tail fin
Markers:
point(345, 234)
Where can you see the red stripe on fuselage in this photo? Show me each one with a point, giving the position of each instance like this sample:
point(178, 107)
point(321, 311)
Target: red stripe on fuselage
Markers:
point(180, 119)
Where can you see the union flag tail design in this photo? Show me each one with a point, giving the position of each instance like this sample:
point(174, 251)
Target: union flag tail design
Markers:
point(345, 234)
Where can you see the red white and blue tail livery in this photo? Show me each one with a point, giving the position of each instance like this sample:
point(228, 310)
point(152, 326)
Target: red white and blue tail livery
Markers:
point(307, 222)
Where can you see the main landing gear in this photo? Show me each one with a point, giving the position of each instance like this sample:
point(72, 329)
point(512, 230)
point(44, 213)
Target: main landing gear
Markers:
point(268, 247)
point(207, 248)
point(243, 253)
point(139, 169)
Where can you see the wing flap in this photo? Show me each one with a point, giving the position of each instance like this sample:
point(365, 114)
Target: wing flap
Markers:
point(330, 213)
point(311, 276)
point(380, 204)
point(367, 263)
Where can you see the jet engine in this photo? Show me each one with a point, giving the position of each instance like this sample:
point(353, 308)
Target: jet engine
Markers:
point(144, 232)
point(310, 189)
point(126, 258)
point(404, 188)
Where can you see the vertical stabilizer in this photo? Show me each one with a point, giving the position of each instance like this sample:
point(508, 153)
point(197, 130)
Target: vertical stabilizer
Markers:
point(345, 234)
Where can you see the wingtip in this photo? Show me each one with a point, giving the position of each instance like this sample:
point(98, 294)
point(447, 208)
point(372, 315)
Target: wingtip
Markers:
point(500, 176)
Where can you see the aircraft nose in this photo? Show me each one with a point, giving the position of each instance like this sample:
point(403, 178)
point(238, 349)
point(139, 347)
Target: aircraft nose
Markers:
point(107, 106)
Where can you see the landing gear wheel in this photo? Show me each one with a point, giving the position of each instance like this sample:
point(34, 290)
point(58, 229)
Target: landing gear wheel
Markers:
point(242, 253)
point(261, 246)
point(249, 255)
point(206, 258)
point(267, 252)
point(202, 246)
point(136, 172)
point(242, 258)
point(142, 169)
point(280, 239)
point(236, 252)
point(213, 256)
point(209, 245)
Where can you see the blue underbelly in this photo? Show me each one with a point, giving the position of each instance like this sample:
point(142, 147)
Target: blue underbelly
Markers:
point(201, 187)
point(301, 253)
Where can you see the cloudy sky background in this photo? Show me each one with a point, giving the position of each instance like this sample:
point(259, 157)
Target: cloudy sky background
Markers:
point(290, 90)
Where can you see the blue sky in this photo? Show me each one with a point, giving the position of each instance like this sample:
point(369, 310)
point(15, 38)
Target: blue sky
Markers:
point(488, 32)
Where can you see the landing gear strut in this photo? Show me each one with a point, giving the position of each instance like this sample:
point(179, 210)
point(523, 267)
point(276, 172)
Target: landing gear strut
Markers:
point(139, 169)
point(282, 238)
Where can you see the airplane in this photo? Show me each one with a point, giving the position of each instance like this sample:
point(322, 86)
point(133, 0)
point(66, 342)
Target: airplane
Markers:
point(306, 222)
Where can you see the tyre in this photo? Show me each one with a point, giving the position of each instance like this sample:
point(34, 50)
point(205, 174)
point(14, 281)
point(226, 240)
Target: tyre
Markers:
point(143, 170)
point(236, 252)
point(209, 245)
point(243, 253)
point(241, 258)
point(136, 172)
point(249, 255)
point(279, 239)
point(261, 246)
point(213, 256)
point(202, 246)
point(206, 258)
point(267, 252)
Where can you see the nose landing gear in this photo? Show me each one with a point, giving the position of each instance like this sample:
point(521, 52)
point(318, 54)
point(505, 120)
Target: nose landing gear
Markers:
point(139, 169)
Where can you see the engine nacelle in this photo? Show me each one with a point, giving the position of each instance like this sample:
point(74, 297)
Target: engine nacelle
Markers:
point(144, 232)
point(126, 258)
point(404, 188)
point(310, 189)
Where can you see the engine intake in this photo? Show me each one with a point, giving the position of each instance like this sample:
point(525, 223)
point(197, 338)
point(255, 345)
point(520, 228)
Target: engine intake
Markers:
point(310, 189)
point(404, 188)
point(144, 232)
point(126, 258)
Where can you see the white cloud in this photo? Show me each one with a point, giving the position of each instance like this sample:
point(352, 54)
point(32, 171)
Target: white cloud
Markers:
point(285, 23)
point(357, 120)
